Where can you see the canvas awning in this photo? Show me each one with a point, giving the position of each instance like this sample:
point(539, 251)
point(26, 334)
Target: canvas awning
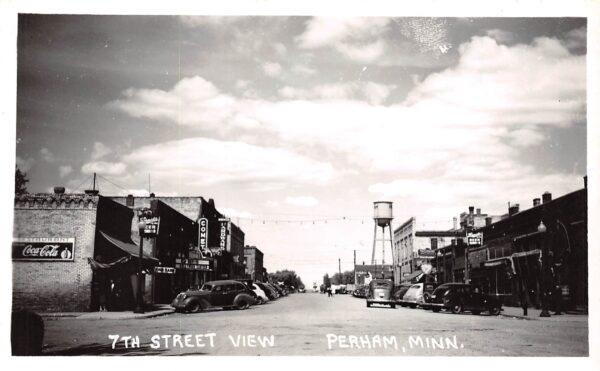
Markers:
point(131, 249)
point(412, 276)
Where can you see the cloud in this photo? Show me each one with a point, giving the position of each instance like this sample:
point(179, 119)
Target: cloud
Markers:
point(500, 35)
point(303, 70)
point(271, 69)
point(576, 38)
point(304, 201)
point(65, 170)
point(203, 162)
point(47, 155)
point(25, 164)
point(209, 21)
point(356, 38)
point(481, 112)
point(100, 150)
point(104, 168)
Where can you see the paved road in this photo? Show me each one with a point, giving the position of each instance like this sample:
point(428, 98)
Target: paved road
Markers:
point(313, 324)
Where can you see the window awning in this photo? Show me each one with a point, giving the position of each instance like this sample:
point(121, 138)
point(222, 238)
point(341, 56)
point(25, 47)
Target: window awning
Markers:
point(496, 263)
point(131, 249)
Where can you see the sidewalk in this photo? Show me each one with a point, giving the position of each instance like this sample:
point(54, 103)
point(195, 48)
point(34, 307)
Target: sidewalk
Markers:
point(159, 310)
point(534, 314)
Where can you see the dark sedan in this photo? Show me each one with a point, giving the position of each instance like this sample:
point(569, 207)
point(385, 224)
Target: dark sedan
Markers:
point(225, 294)
point(460, 297)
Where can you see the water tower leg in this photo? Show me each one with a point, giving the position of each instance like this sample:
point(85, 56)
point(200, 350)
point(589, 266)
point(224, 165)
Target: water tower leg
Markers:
point(374, 244)
point(383, 245)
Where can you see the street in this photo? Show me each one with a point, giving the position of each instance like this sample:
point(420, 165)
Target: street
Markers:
point(313, 324)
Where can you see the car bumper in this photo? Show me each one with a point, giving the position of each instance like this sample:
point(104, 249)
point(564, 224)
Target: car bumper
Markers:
point(381, 301)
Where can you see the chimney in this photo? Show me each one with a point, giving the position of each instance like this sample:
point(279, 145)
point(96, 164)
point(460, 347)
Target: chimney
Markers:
point(546, 197)
point(129, 201)
point(211, 202)
point(92, 192)
point(488, 220)
point(471, 209)
point(478, 211)
point(585, 181)
point(152, 195)
point(536, 202)
point(454, 223)
point(513, 209)
point(59, 190)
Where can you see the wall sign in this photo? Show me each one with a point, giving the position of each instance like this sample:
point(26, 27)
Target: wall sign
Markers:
point(475, 239)
point(193, 264)
point(152, 221)
point(164, 270)
point(43, 249)
point(426, 253)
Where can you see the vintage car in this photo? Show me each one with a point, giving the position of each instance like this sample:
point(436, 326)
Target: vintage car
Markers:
point(380, 292)
point(460, 297)
point(399, 292)
point(270, 292)
point(226, 294)
point(413, 296)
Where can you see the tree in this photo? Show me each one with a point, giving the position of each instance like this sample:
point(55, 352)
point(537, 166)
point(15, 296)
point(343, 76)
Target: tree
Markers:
point(20, 181)
point(288, 277)
point(347, 277)
point(326, 280)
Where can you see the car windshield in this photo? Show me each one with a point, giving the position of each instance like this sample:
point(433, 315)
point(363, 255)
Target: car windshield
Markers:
point(206, 287)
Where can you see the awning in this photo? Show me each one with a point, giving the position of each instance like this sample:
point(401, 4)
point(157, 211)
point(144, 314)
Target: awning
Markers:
point(132, 249)
point(411, 276)
point(527, 253)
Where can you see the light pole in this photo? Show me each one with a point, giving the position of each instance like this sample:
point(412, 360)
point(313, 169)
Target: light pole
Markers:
point(139, 305)
point(542, 229)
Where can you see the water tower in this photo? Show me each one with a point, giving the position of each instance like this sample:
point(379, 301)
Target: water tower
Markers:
point(383, 218)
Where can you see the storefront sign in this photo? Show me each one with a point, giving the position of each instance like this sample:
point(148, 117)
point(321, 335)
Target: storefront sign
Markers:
point(152, 222)
point(43, 249)
point(224, 234)
point(193, 264)
point(475, 239)
point(426, 253)
point(203, 234)
point(164, 270)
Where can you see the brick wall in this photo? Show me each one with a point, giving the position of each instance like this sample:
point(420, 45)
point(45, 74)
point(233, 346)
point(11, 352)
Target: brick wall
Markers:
point(55, 286)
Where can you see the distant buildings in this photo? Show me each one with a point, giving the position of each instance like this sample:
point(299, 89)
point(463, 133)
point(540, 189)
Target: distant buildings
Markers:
point(253, 259)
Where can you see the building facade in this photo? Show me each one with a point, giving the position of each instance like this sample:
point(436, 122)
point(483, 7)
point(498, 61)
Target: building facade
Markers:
point(254, 263)
point(411, 251)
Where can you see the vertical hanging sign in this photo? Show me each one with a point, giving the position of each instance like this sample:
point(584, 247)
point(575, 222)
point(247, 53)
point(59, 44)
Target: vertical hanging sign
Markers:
point(224, 228)
point(203, 234)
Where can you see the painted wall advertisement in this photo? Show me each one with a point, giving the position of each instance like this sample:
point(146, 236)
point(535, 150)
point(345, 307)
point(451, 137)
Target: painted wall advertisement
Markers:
point(43, 249)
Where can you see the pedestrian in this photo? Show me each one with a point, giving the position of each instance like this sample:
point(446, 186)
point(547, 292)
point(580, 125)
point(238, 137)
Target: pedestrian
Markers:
point(329, 292)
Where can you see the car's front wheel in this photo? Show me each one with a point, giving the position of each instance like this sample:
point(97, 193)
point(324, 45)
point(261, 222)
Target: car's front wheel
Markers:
point(436, 310)
point(243, 305)
point(194, 307)
point(457, 308)
point(494, 311)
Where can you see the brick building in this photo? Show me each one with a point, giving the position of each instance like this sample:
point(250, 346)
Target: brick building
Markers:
point(410, 250)
point(55, 237)
point(253, 258)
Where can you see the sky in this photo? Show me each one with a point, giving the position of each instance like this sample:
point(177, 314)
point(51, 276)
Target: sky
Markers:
point(296, 125)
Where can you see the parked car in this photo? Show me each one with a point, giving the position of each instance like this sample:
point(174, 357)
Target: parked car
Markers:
point(225, 294)
point(270, 292)
point(380, 292)
point(460, 297)
point(414, 296)
point(274, 289)
point(301, 290)
point(261, 296)
point(399, 292)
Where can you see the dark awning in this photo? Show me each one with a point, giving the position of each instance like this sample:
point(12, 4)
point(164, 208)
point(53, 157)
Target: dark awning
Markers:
point(130, 248)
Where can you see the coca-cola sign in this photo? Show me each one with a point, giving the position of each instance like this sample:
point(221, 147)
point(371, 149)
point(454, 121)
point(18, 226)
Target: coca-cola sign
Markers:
point(43, 249)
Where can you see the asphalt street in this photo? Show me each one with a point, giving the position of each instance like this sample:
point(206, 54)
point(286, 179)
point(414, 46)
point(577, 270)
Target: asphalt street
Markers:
point(313, 324)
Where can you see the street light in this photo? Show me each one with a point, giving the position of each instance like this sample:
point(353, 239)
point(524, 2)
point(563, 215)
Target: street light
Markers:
point(139, 305)
point(542, 229)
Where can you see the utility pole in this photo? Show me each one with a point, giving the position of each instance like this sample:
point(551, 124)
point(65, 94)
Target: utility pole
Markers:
point(354, 267)
point(94, 185)
point(340, 269)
